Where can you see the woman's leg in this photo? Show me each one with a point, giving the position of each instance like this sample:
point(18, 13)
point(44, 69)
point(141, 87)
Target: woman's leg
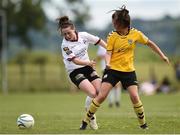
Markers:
point(93, 124)
point(111, 97)
point(117, 94)
point(104, 91)
point(88, 103)
point(133, 93)
point(108, 82)
point(88, 88)
point(138, 106)
point(96, 84)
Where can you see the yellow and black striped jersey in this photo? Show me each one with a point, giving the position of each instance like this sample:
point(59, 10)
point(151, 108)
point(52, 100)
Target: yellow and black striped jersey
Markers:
point(122, 49)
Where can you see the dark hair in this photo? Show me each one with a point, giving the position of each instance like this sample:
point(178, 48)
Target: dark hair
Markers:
point(64, 22)
point(121, 16)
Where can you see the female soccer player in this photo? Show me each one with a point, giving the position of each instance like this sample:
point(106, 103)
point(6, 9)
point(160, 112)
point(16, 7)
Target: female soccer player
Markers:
point(79, 66)
point(119, 60)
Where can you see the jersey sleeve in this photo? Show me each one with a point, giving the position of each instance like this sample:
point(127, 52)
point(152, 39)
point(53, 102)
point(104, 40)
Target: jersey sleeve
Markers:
point(101, 51)
point(91, 38)
point(142, 39)
point(110, 42)
point(67, 53)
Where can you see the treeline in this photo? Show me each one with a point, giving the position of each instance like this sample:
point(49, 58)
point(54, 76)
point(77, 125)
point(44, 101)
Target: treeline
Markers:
point(165, 32)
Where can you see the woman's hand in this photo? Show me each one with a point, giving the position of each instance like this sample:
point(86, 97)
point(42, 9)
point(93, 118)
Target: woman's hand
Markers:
point(92, 63)
point(166, 59)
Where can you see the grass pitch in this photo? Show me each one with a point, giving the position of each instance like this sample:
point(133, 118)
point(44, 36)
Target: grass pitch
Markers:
point(62, 113)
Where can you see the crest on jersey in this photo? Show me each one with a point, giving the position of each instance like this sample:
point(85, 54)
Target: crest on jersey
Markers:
point(130, 41)
point(66, 49)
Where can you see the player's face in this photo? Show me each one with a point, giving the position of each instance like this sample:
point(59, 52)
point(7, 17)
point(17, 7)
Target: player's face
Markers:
point(69, 33)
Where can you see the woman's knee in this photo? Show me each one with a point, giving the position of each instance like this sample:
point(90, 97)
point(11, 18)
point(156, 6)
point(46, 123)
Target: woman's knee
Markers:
point(100, 98)
point(133, 91)
point(135, 98)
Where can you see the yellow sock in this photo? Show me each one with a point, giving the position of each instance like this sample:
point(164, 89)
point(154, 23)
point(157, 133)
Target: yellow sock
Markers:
point(138, 108)
point(92, 109)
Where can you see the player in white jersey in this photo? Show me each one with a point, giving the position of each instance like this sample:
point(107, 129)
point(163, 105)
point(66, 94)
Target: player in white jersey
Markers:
point(78, 65)
point(115, 94)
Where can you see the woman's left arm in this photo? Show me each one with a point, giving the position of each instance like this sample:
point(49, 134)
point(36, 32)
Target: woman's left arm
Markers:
point(156, 49)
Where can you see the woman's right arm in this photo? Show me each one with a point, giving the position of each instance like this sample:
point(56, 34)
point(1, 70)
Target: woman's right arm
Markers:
point(78, 61)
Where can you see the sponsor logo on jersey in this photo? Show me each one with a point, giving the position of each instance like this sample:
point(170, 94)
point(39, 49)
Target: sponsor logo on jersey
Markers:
point(68, 52)
point(80, 53)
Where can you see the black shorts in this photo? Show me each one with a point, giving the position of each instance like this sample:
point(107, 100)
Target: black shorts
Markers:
point(80, 74)
point(126, 78)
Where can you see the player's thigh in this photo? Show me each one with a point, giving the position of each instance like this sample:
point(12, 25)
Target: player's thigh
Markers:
point(87, 87)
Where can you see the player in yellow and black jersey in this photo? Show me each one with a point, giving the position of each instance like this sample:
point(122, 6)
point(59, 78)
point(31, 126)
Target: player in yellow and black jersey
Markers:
point(122, 48)
point(119, 60)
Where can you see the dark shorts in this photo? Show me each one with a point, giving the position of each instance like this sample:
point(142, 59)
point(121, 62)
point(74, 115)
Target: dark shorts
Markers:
point(126, 78)
point(80, 74)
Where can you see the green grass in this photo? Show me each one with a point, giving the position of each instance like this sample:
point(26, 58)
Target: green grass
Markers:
point(62, 113)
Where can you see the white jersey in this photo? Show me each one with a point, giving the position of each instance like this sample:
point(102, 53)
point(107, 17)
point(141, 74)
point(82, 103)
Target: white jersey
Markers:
point(77, 49)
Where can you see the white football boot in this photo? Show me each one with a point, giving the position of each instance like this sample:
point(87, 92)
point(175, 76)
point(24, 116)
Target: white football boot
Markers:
point(93, 123)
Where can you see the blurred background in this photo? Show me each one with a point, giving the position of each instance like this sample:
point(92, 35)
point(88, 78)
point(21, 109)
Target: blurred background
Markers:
point(30, 52)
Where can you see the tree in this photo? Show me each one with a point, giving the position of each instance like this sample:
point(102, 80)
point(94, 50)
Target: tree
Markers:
point(80, 10)
point(23, 15)
point(77, 10)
